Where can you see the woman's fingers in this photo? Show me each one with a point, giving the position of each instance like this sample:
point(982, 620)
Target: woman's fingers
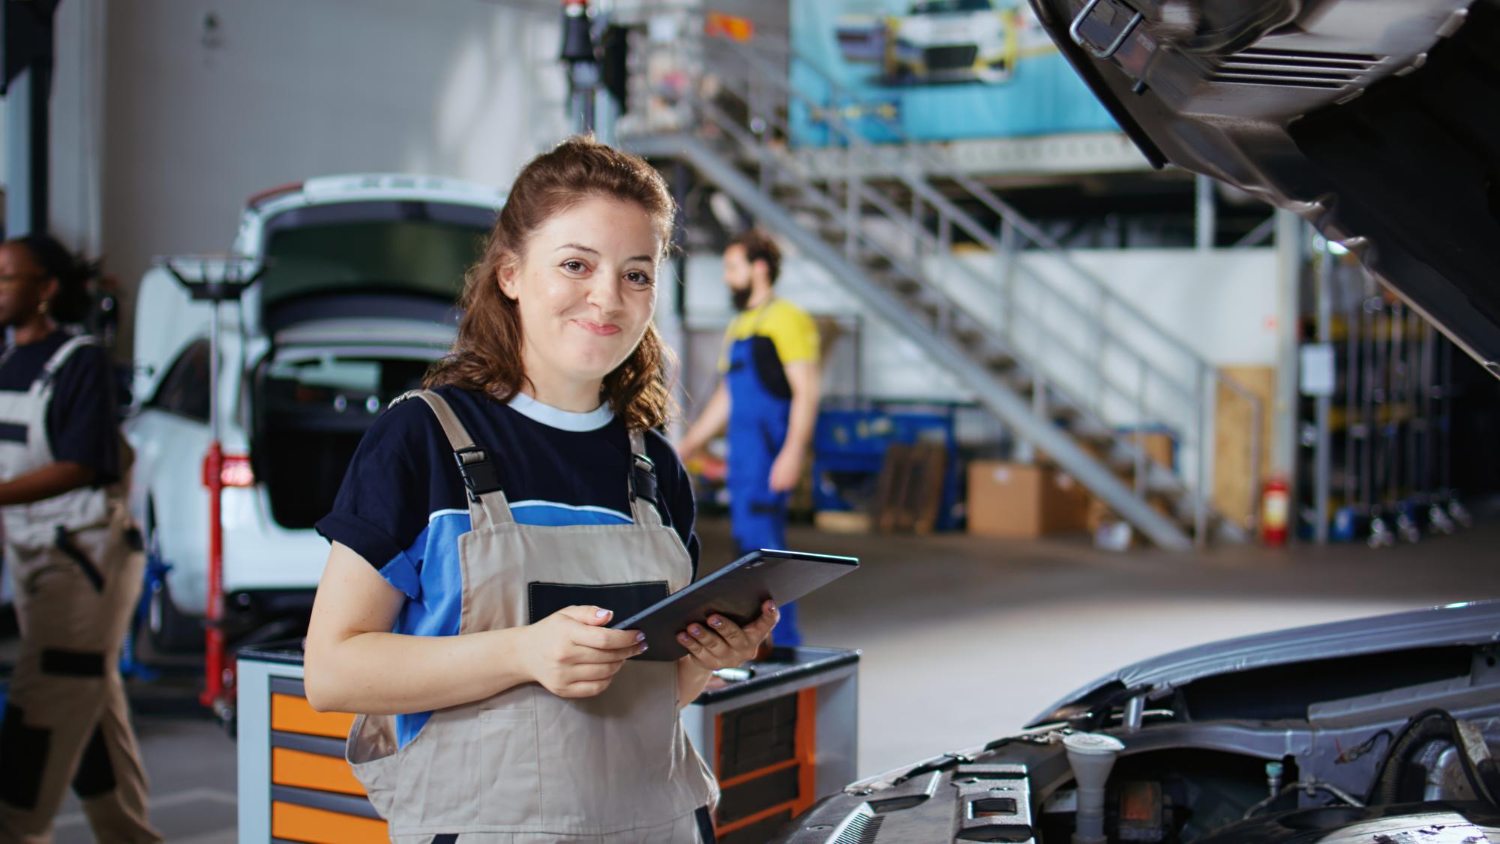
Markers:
point(728, 630)
point(605, 639)
point(711, 641)
point(598, 656)
point(761, 627)
point(693, 646)
point(594, 672)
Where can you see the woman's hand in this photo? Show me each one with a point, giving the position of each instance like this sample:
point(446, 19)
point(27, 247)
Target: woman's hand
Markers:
point(572, 654)
point(723, 644)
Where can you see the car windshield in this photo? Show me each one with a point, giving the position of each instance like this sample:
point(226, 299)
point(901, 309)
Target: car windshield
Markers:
point(414, 247)
point(937, 7)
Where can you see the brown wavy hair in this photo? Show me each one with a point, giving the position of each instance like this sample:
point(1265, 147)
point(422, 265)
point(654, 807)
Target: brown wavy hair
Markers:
point(486, 357)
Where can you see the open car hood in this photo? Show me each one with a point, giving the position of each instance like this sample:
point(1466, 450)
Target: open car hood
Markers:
point(1376, 120)
point(1457, 624)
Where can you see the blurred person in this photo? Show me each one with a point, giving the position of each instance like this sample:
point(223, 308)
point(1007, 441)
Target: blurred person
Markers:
point(768, 400)
point(75, 573)
point(490, 528)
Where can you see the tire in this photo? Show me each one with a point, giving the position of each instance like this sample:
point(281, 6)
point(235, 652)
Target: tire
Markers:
point(171, 631)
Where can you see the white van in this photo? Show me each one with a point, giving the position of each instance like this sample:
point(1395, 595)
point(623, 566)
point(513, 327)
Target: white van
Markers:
point(355, 301)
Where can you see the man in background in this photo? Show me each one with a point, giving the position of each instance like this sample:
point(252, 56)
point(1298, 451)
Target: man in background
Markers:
point(767, 397)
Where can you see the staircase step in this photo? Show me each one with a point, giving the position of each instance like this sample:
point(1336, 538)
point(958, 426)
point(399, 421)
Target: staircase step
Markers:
point(809, 207)
point(1000, 362)
point(1064, 412)
point(969, 336)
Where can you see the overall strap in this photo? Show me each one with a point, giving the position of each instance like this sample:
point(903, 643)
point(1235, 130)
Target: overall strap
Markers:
point(487, 504)
point(60, 357)
point(642, 483)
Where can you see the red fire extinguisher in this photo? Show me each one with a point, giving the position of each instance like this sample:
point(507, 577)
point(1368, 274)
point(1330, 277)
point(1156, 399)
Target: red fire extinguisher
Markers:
point(1275, 505)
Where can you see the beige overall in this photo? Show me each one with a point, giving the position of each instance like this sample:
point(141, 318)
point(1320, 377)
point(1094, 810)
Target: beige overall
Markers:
point(526, 766)
point(76, 581)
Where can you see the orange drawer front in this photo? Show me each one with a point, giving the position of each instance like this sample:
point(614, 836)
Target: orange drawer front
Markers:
point(311, 770)
point(294, 715)
point(316, 826)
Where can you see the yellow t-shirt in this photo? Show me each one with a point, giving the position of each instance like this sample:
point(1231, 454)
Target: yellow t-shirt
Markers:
point(792, 331)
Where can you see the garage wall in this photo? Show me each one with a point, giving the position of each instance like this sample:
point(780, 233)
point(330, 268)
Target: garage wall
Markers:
point(196, 120)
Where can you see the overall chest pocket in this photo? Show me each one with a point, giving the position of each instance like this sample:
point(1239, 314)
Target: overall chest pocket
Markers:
point(623, 599)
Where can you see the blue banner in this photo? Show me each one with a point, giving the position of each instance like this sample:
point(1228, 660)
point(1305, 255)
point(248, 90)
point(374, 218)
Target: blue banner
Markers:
point(932, 70)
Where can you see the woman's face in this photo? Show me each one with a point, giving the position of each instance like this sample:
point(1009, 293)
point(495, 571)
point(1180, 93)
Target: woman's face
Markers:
point(23, 284)
point(586, 290)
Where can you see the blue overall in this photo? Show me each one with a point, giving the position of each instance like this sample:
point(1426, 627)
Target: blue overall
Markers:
point(759, 407)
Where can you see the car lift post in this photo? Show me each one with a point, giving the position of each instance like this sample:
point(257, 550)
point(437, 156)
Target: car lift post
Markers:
point(218, 685)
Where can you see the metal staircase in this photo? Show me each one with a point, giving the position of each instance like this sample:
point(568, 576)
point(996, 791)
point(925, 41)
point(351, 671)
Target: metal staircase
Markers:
point(1069, 366)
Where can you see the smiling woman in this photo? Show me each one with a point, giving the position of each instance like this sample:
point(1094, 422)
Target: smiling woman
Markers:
point(573, 253)
point(485, 537)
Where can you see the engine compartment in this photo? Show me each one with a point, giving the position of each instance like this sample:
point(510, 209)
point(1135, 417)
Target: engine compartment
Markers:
point(1392, 750)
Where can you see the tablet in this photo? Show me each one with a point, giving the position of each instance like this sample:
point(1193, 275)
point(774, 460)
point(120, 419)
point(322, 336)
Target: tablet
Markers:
point(735, 592)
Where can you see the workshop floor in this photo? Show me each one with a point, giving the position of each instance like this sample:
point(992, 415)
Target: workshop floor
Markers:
point(963, 639)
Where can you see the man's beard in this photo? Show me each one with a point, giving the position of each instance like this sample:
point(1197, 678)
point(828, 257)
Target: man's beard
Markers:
point(740, 297)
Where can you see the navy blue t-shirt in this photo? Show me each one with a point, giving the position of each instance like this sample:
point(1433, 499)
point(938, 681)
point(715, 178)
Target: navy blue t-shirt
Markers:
point(403, 505)
point(81, 424)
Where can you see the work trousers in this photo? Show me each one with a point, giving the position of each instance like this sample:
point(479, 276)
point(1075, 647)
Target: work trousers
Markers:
point(67, 720)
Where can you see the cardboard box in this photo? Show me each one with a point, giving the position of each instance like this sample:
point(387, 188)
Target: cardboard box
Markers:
point(842, 521)
point(1017, 501)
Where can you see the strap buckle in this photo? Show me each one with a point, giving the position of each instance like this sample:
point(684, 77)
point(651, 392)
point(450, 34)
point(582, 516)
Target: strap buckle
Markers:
point(1076, 30)
point(478, 473)
point(642, 478)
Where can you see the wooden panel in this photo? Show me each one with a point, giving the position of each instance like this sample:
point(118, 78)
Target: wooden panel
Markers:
point(1232, 438)
point(316, 826)
point(310, 770)
point(294, 715)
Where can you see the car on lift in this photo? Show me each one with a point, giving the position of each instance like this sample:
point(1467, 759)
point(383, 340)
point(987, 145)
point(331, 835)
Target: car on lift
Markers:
point(1375, 121)
point(355, 299)
point(1381, 730)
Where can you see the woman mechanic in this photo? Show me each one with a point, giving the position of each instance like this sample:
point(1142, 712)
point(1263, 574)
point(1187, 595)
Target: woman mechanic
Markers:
point(75, 575)
point(490, 528)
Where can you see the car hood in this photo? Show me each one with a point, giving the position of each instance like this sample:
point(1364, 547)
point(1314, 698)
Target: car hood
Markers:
point(1372, 119)
point(1457, 624)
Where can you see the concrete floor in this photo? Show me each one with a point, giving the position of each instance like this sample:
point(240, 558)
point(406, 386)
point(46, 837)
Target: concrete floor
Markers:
point(963, 639)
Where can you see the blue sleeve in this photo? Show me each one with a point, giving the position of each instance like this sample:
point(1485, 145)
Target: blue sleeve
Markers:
point(674, 493)
point(81, 423)
point(399, 475)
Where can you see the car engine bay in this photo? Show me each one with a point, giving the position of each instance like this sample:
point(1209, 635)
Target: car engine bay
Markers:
point(1371, 749)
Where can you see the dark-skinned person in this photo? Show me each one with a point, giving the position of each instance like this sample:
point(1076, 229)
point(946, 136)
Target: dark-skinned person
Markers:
point(74, 570)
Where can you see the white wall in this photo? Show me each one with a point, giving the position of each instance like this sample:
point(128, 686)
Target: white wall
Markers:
point(301, 88)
